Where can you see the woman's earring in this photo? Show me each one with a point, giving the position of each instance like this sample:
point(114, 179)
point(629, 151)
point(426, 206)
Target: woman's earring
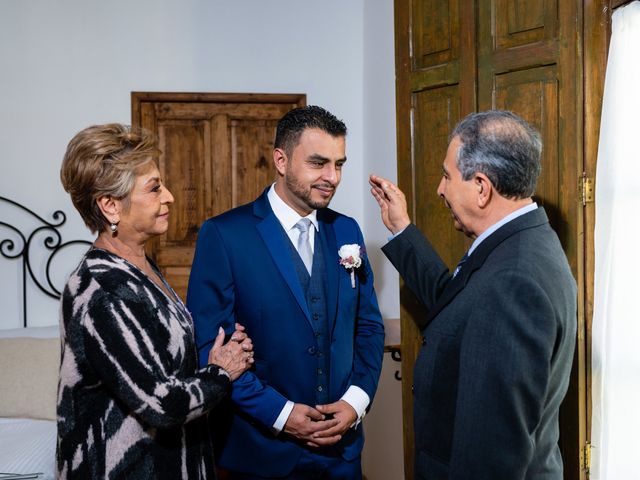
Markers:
point(114, 228)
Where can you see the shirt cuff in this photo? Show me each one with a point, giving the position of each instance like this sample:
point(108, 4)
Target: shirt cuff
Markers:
point(394, 236)
point(283, 417)
point(359, 400)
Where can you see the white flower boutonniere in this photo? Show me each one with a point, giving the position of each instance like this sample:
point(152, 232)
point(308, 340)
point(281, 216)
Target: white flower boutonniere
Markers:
point(350, 259)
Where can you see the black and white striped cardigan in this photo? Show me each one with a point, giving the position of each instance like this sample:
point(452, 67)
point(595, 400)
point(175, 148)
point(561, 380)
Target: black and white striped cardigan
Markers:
point(131, 403)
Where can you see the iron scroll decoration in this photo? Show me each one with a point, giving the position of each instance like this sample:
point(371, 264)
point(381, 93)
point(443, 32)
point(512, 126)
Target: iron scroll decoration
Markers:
point(396, 356)
point(21, 249)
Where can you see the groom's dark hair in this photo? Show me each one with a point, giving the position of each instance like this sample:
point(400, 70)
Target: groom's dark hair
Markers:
point(295, 121)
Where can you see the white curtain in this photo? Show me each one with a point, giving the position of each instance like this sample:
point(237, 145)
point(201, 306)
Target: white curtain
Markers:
point(616, 320)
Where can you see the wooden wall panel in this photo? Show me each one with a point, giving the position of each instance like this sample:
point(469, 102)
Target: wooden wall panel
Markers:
point(204, 110)
point(436, 113)
point(182, 166)
point(184, 141)
point(252, 165)
point(435, 32)
point(533, 93)
point(221, 173)
point(519, 22)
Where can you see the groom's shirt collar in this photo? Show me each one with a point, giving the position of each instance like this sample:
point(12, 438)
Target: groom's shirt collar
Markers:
point(286, 215)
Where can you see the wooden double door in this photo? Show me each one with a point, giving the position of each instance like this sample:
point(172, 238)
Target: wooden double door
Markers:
point(454, 57)
point(216, 155)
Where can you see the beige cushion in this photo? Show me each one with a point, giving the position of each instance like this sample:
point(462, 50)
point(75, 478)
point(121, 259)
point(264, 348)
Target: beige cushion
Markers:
point(29, 377)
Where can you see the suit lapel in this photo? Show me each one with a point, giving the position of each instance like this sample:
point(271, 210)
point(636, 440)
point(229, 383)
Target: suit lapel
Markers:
point(274, 238)
point(532, 219)
point(330, 252)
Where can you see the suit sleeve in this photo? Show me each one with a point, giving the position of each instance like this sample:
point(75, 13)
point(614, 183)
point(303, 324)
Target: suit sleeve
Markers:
point(369, 334)
point(505, 365)
point(211, 301)
point(418, 264)
point(124, 356)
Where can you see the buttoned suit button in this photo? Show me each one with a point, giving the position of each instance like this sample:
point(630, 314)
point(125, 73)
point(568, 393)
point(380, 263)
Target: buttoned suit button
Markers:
point(424, 341)
point(311, 350)
point(413, 388)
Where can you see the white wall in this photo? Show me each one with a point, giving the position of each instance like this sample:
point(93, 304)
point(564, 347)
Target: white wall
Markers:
point(71, 63)
point(379, 120)
point(382, 456)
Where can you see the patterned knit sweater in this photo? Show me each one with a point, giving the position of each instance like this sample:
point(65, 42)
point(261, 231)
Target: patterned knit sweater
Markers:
point(130, 400)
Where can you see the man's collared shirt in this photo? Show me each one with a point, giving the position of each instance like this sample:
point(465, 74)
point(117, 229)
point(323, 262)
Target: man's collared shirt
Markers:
point(512, 216)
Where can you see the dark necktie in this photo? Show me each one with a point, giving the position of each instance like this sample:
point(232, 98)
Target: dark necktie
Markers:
point(459, 266)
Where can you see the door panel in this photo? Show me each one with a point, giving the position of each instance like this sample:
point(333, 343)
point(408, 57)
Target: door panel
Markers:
point(251, 158)
point(182, 164)
point(519, 22)
point(436, 113)
point(435, 30)
point(533, 93)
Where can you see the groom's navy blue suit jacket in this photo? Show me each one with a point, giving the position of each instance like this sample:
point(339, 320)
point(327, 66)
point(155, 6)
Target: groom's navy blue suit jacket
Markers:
point(243, 272)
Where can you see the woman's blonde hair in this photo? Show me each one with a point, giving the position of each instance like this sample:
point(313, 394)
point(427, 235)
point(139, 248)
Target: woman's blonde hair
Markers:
point(104, 160)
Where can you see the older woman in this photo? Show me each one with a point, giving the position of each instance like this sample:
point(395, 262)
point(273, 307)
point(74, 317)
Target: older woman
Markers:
point(131, 399)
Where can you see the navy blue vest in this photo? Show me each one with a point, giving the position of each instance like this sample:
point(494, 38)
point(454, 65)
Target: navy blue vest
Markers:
point(314, 287)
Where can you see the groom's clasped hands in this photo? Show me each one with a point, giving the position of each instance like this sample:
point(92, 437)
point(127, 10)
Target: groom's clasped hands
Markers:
point(320, 426)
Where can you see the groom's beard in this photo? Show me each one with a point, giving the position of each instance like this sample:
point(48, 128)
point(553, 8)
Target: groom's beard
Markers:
point(305, 193)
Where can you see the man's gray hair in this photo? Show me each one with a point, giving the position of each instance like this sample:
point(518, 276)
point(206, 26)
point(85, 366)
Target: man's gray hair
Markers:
point(504, 147)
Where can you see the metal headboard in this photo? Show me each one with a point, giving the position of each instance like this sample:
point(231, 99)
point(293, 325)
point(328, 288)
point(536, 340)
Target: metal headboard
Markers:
point(20, 248)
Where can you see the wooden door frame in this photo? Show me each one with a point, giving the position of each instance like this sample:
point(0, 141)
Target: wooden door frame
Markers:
point(137, 98)
point(409, 332)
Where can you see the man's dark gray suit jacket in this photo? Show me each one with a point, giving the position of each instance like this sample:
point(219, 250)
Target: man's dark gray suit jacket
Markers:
point(498, 347)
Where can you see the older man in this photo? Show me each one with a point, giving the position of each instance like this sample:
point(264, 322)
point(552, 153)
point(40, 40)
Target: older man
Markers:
point(500, 331)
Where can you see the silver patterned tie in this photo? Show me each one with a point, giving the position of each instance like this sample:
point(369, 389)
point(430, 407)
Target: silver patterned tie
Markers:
point(304, 246)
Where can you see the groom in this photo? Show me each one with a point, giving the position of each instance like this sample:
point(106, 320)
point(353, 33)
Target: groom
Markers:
point(273, 266)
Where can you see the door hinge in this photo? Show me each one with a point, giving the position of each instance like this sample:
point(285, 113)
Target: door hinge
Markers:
point(585, 189)
point(585, 457)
